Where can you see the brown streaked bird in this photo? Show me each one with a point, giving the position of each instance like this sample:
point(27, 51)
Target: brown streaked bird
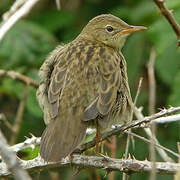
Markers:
point(84, 81)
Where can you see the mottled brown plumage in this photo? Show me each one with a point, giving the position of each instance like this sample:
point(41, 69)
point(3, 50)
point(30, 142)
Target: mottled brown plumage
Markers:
point(83, 81)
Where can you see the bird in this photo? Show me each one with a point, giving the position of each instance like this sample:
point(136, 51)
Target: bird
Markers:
point(84, 82)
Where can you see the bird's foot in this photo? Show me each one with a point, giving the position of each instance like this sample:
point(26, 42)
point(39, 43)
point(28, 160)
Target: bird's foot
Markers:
point(70, 157)
point(97, 138)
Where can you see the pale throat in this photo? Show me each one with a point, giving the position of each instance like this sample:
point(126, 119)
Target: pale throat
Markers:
point(119, 43)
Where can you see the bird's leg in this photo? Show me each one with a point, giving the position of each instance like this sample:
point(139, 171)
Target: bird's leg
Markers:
point(70, 158)
point(98, 136)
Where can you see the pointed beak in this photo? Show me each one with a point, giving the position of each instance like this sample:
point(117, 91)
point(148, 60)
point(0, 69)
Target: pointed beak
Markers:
point(132, 29)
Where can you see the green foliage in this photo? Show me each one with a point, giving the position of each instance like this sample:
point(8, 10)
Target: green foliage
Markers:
point(32, 104)
point(52, 20)
point(174, 97)
point(25, 46)
point(29, 153)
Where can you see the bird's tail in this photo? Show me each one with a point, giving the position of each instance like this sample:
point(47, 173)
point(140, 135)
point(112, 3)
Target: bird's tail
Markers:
point(58, 141)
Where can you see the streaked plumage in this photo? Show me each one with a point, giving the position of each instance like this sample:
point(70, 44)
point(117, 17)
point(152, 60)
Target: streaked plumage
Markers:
point(83, 81)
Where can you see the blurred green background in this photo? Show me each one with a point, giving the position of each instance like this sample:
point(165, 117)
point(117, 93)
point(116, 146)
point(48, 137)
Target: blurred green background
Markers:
point(26, 45)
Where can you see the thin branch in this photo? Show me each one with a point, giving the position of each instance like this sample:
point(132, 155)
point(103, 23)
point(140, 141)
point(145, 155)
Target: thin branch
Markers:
point(24, 9)
point(151, 108)
point(28, 143)
point(157, 145)
point(19, 115)
point(152, 82)
point(131, 118)
point(129, 125)
point(33, 141)
point(58, 4)
point(169, 16)
point(104, 163)
point(6, 122)
point(161, 152)
point(152, 151)
point(12, 162)
point(20, 77)
point(169, 119)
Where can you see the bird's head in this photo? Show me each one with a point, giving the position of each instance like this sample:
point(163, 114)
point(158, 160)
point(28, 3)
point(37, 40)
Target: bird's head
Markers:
point(109, 30)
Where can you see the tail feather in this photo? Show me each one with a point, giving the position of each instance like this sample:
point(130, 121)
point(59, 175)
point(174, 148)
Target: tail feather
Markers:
point(57, 142)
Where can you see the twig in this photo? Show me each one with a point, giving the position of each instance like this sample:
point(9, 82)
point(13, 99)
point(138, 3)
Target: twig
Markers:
point(58, 4)
point(20, 13)
point(169, 119)
point(20, 77)
point(112, 146)
point(152, 82)
point(169, 16)
point(19, 115)
point(12, 162)
point(152, 151)
point(17, 4)
point(157, 145)
point(34, 141)
point(6, 122)
point(161, 152)
point(129, 125)
point(105, 163)
point(151, 108)
point(28, 143)
point(128, 137)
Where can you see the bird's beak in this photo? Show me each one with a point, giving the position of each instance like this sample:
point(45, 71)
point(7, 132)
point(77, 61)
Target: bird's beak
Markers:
point(132, 29)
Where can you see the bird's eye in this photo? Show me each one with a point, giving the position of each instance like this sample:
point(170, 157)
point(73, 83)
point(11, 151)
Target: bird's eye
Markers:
point(109, 28)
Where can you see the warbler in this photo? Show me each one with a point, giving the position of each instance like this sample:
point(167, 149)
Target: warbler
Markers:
point(84, 81)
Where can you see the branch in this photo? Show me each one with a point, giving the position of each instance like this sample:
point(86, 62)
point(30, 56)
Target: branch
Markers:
point(109, 164)
point(6, 122)
point(34, 141)
point(132, 124)
point(151, 82)
point(131, 118)
point(155, 144)
point(169, 16)
point(28, 143)
point(20, 12)
point(12, 162)
point(105, 163)
point(20, 77)
point(167, 119)
point(19, 116)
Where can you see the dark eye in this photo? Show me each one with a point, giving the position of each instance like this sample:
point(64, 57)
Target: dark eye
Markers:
point(109, 28)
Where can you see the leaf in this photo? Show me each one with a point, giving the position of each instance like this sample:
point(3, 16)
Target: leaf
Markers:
point(134, 55)
point(161, 33)
point(174, 98)
point(26, 44)
point(32, 104)
point(53, 20)
point(172, 4)
point(168, 64)
point(164, 40)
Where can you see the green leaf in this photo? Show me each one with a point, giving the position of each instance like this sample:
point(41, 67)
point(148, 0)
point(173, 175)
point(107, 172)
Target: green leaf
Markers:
point(161, 33)
point(174, 98)
point(32, 104)
point(29, 153)
point(172, 4)
point(26, 44)
point(53, 20)
point(168, 64)
point(134, 55)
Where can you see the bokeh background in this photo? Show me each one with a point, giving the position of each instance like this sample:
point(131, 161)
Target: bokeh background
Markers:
point(27, 44)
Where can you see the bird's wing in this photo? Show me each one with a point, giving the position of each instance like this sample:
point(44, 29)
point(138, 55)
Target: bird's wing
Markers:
point(50, 86)
point(110, 81)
